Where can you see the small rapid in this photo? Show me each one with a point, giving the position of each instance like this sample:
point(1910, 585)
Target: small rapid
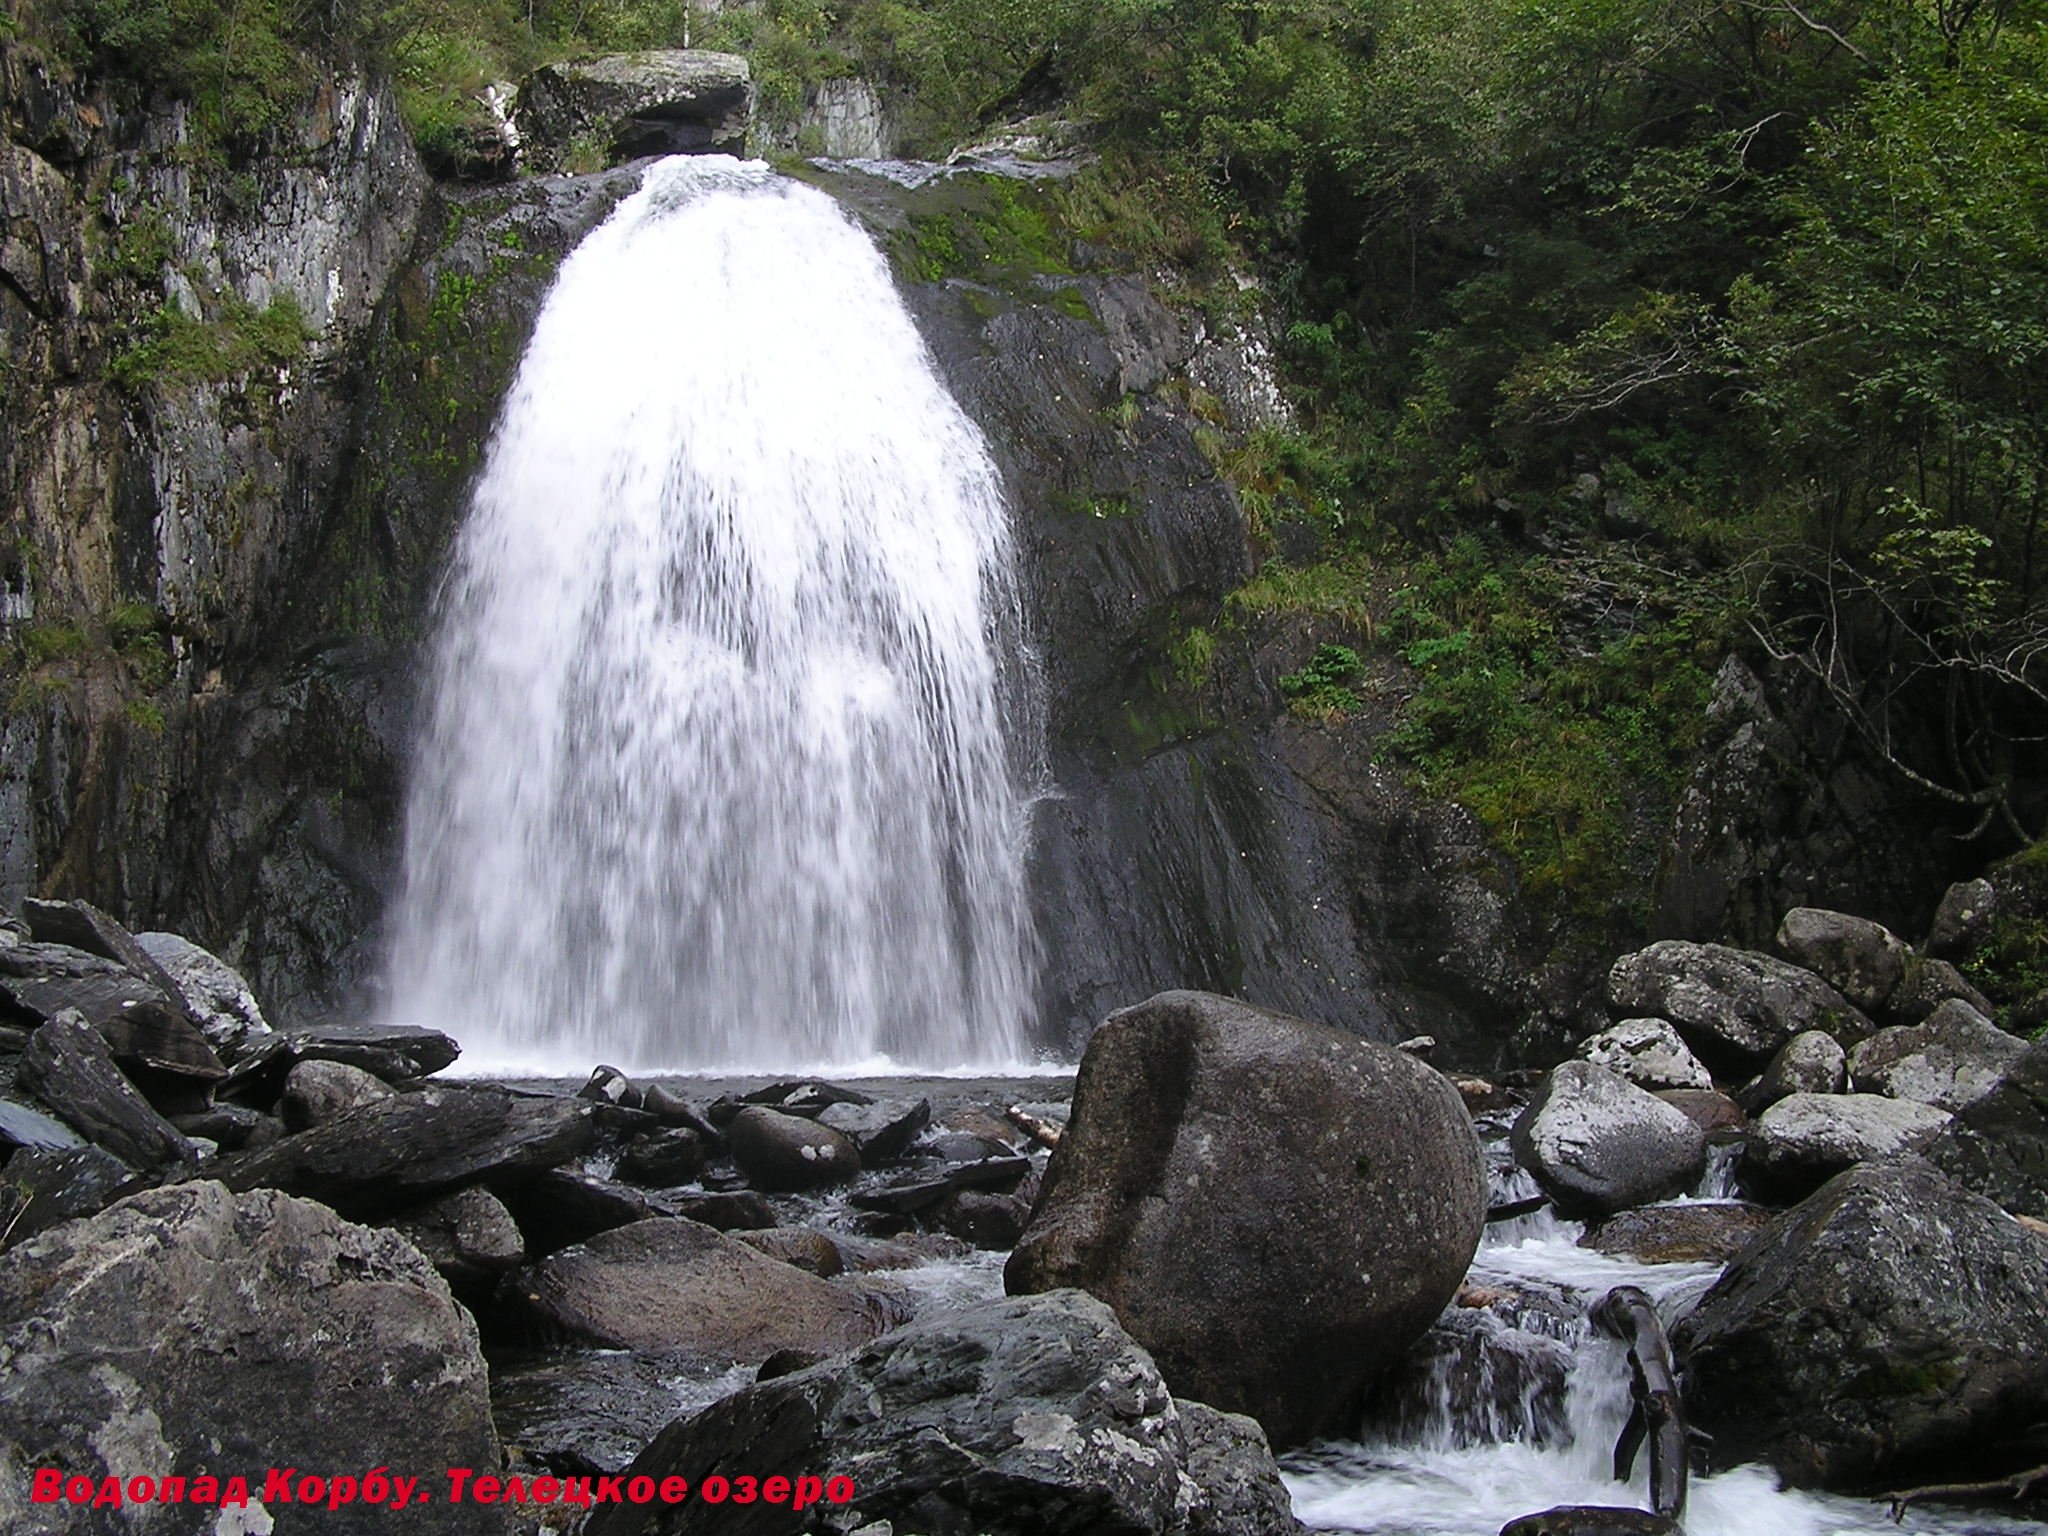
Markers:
point(1482, 1440)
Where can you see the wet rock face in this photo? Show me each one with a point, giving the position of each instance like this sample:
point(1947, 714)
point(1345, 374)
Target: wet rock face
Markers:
point(1275, 1209)
point(661, 102)
point(188, 1330)
point(1892, 1324)
point(1027, 1416)
point(1598, 1144)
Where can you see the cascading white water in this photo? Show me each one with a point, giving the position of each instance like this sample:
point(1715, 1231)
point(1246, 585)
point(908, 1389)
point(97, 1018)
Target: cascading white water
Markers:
point(728, 737)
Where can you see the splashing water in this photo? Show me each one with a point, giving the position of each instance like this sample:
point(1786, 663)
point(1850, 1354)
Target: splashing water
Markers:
point(729, 727)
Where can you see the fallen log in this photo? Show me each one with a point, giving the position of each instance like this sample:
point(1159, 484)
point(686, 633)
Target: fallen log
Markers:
point(2019, 1485)
point(1044, 1132)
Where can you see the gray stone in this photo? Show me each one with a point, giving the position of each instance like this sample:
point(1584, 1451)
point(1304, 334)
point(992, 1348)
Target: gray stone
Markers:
point(1926, 985)
point(661, 102)
point(784, 1152)
point(1952, 1060)
point(667, 1284)
point(1862, 960)
point(1810, 1062)
point(1648, 1053)
point(1025, 1416)
point(1997, 1145)
point(397, 1053)
point(881, 1130)
point(69, 1068)
point(1736, 1000)
point(213, 992)
point(809, 1250)
point(662, 1158)
point(40, 981)
point(468, 1236)
point(1274, 1208)
point(190, 1330)
point(1712, 1111)
point(23, 1126)
point(1965, 913)
point(1698, 1232)
point(1802, 1141)
point(41, 1187)
point(316, 1092)
point(1597, 1143)
point(1892, 1320)
point(396, 1151)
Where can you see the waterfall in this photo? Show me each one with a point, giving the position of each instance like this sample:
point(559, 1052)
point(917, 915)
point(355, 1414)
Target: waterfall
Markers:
point(729, 737)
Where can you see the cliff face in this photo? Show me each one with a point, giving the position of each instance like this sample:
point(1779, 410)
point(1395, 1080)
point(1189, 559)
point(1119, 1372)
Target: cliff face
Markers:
point(245, 402)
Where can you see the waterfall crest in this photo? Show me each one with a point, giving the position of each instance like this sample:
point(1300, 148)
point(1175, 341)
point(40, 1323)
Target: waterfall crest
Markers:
point(729, 735)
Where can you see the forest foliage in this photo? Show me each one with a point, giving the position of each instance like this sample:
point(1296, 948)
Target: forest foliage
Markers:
point(1754, 290)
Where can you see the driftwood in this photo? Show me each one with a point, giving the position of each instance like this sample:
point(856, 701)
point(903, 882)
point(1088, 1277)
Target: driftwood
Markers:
point(1044, 1132)
point(2018, 1485)
point(1656, 1417)
point(1508, 1210)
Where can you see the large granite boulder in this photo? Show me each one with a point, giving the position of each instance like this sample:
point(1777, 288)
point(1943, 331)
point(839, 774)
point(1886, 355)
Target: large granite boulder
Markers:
point(1732, 1003)
point(1893, 1321)
point(1862, 960)
point(213, 991)
point(189, 1330)
point(676, 1286)
point(1805, 1139)
point(1810, 1062)
point(1648, 1052)
point(1596, 1143)
point(1274, 1208)
point(787, 1152)
point(1025, 1416)
point(669, 101)
point(1951, 1060)
point(1997, 1144)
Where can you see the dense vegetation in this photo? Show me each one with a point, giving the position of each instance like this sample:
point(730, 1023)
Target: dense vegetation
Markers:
point(1624, 331)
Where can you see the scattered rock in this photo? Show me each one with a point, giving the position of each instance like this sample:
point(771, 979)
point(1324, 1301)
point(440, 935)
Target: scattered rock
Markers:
point(22, 1126)
point(228, 1126)
point(915, 1195)
point(672, 1285)
point(608, 1085)
point(1737, 1001)
point(729, 1210)
point(672, 1109)
point(560, 1207)
point(1802, 1141)
point(589, 1413)
point(1962, 919)
point(783, 1152)
point(1926, 986)
point(41, 1187)
point(1892, 1320)
point(1275, 1208)
point(1597, 1143)
point(468, 1236)
point(316, 1092)
point(1704, 1232)
point(82, 925)
point(809, 1250)
point(396, 1151)
point(1862, 960)
point(662, 1158)
point(212, 991)
point(881, 1130)
point(1997, 1145)
point(1648, 1053)
point(40, 981)
point(1952, 1060)
point(1810, 1062)
point(188, 1330)
point(987, 1220)
point(1026, 1416)
point(67, 1066)
point(398, 1053)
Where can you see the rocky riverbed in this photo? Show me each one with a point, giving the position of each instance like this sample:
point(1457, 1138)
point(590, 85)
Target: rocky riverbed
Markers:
point(314, 1261)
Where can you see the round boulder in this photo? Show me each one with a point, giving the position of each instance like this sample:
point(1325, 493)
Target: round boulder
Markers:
point(319, 1091)
point(1953, 1059)
point(1862, 960)
point(1599, 1144)
point(784, 1152)
point(1733, 1002)
point(1893, 1320)
point(1275, 1209)
point(1810, 1062)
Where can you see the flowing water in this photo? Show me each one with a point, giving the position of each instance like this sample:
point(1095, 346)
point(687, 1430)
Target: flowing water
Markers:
point(730, 739)
point(1464, 1463)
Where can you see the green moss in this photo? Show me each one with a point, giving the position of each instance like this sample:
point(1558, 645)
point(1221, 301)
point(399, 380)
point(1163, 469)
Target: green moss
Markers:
point(43, 644)
point(1323, 687)
point(238, 340)
point(144, 716)
point(1194, 657)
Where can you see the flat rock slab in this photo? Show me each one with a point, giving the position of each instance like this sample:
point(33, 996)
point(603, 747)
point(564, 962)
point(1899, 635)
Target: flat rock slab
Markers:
point(1950, 1060)
point(1802, 1141)
point(188, 1330)
point(675, 1286)
point(1702, 1232)
point(395, 1151)
point(1025, 1416)
point(68, 1066)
